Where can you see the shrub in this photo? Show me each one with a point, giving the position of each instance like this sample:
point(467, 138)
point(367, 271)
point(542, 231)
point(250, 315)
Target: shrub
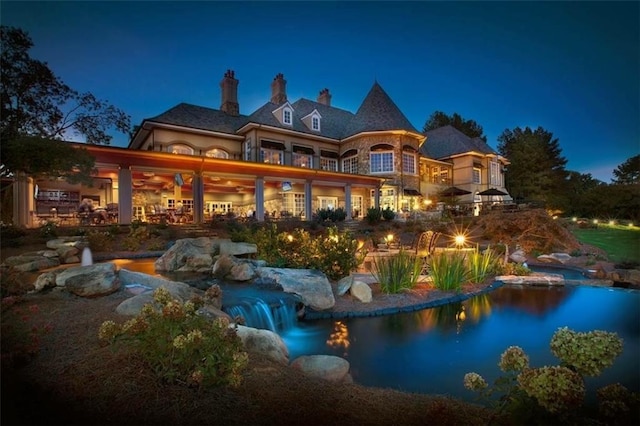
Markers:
point(100, 240)
point(481, 264)
point(49, 230)
point(398, 272)
point(373, 216)
point(512, 269)
point(448, 270)
point(587, 353)
point(180, 345)
point(337, 254)
point(9, 232)
point(388, 214)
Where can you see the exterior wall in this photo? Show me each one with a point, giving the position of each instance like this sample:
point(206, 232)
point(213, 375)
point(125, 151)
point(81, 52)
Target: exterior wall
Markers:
point(163, 138)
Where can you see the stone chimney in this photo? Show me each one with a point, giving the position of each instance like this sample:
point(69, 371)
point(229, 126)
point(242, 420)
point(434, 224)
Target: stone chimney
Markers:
point(324, 97)
point(229, 90)
point(279, 89)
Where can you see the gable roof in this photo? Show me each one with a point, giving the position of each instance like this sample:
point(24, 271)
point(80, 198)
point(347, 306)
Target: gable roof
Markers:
point(203, 118)
point(378, 113)
point(447, 141)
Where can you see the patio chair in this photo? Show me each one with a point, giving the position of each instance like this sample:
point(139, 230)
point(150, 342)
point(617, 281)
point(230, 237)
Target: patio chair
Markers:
point(424, 247)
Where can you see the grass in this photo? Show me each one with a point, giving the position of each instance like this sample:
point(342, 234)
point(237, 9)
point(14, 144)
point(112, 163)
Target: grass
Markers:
point(622, 243)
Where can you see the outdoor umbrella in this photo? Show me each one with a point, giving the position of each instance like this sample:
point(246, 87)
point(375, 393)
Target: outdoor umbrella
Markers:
point(453, 191)
point(492, 191)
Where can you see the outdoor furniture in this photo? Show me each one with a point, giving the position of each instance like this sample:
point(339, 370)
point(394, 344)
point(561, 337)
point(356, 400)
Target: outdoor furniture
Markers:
point(424, 247)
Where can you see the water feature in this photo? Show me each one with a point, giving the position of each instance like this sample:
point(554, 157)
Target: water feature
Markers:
point(567, 272)
point(87, 257)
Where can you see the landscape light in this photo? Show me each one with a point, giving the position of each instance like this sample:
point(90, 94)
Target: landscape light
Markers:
point(595, 221)
point(460, 238)
point(290, 237)
point(612, 222)
point(575, 219)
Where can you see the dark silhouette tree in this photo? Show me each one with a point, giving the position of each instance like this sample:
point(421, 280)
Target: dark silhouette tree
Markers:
point(628, 172)
point(536, 171)
point(468, 127)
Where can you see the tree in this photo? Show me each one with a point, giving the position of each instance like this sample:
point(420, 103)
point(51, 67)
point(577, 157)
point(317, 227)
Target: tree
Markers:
point(628, 172)
point(36, 102)
point(468, 127)
point(536, 172)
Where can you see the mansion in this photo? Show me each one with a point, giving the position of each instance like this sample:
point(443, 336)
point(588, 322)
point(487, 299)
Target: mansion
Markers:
point(286, 159)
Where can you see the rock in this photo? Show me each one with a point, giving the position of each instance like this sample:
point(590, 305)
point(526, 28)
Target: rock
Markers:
point(178, 255)
point(344, 285)
point(178, 290)
point(311, 285)
point(241, 272)
point(231, 248)
point(561, 257)
point(518, 256)
point(197, 263)
point(223, 266)
point(45, 281)
point(545, 258)
point(133, 305)
point(631, 277)
point(79, 242)
point(264, 342)
point(327, 367)
point(31, 262)
point(67, 252)
point(361, 291)
point(90, 281)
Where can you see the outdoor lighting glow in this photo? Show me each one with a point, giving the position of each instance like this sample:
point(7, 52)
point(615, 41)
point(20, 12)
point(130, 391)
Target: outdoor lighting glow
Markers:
point(595, 220)
point(360, 245)
point(630, 223)
point(427, 202)
point(334, 238)
point(612, 222)
point(388, 238)
point(460, 240)
point(290, 238)
point(575, 219)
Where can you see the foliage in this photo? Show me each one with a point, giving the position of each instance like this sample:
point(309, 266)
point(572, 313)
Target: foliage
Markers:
point(628, 173)
point(398, 272)
point(332, 215)
point(373, 216)
point(180, 345)
point(388, 214)
point(49, 229)
point(36, 102)
point(336, 254)
point(137, 235)
point(448, 270)
point(100, 241)
point(468, 127)
point(10, 232)
point(537, 169)
point(481, 264)
point(512, 269)
point(555, 394)
point(586, 353)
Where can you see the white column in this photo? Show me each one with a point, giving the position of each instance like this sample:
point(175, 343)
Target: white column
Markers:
point(259, 199)
point(347, 201)
point(125, 196)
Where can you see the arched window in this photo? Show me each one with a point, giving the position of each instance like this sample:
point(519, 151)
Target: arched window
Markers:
point(217, 153)
point(181, 149)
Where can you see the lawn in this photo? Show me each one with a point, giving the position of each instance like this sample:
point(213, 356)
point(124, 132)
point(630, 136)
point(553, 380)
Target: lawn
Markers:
point(622, 243)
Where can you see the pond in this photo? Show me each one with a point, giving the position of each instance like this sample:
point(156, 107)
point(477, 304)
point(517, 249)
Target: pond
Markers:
point(430, 351)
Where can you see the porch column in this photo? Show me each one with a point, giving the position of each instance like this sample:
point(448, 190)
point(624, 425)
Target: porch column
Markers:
point(259, 199)
point(376, 198)
point(23, 205)
point(197, 185)
point(307, 200)
point(347, 200)
point(125, 196)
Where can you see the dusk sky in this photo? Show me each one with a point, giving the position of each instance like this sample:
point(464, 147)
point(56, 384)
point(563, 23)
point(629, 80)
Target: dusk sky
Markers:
point(571, 67)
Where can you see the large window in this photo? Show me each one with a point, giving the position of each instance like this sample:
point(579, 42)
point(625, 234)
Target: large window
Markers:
point(495, 174)
point(387, 198)
point(271, 156)
point(350, 165)
point(381, 162)
point(181, 149)
point(302, 160)
point(409, 163)
point(330, 164)
point(247, 149)
point(328, 203)
point(293, 203)
point(440, 175)
point(217, 153)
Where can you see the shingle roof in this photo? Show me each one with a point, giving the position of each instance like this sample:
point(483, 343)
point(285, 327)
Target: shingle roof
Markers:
point(334, 120)
point(376, 113)
point(446, 141)
point(201, 118)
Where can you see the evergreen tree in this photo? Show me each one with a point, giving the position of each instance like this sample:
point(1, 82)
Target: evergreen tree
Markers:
point(628, 172)
point(468, 127)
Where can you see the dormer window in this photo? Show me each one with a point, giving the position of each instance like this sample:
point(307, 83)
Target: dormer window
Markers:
point(312, 120)
point(286, 116)
point(315, 123)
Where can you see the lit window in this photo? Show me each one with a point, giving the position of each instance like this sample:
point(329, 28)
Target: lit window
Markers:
point(271, 156)
point(330, 164)
point(408, 163)
point(315, 123)
point(381, 162)
point(495, 174)
point(247, 150)
point(476, 175)
point(350, 165)
point(286, 116)
point(302, 160)
point(181, 149)
point(217, 153)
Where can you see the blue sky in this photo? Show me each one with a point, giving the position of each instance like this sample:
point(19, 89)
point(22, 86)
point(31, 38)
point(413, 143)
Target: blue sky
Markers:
point(571, 67)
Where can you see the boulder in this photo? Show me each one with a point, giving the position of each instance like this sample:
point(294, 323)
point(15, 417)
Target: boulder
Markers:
point(344, 285)
point(361, 291)
point(236, 248)
point(231, 268)
point(327, 367)
point(518, 256)
point(178, 255)
point(241, 272)
point(312, 286)
point(90, 281)
point(79, 242)
point(264, 342)
point(545, 258)
point(561, 257)
point(45, 281)
point(178, 290)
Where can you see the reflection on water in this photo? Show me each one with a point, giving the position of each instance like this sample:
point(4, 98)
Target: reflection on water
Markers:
point(430, 351)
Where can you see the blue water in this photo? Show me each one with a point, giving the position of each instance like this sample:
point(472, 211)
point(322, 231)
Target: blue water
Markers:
point(567, 273)
point(430, 351)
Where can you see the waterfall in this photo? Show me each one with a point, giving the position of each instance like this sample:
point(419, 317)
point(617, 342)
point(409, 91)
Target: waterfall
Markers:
point(276, 313)
point(87, 257)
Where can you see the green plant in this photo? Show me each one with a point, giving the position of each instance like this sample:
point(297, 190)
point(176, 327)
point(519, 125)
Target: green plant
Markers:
point(398, 272)
point(180, 345)
point(9, 232)
point(388, 214)
point(481, 264)
point(510, 268)
point(373, 216)
point(337, 253)
point(100, 241)
point(586, 353)
point(49, 230)
point(137, 235)
point(448, 270)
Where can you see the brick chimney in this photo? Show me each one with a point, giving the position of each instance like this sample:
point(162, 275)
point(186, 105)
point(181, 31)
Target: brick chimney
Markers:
point(279, 89)
point(229, 90)
point(324, 97)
